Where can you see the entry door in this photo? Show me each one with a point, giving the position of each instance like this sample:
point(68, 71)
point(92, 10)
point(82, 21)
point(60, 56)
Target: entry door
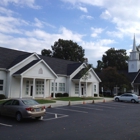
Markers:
point(82, 90)
point(31, 90)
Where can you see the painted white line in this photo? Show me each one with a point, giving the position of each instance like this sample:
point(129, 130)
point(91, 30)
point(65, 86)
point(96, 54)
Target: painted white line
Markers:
point(54, 113)
point(5, 125)
point(55, 118)
point(88, 108)
point(72, 110)
point(101, 106)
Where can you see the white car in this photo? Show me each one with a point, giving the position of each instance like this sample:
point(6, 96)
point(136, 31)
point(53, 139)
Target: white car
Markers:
point(128, 97)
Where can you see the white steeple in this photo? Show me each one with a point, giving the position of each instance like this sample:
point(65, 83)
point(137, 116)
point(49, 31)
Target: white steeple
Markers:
point(134, 44)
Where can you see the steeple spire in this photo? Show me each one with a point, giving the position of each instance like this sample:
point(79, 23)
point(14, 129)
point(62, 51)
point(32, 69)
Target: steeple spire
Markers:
point(134, 44)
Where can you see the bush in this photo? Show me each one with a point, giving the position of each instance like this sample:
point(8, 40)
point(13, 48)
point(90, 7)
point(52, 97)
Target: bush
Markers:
point(95, 95)
point(65, 95)
point(2, 96)
point(58, 95)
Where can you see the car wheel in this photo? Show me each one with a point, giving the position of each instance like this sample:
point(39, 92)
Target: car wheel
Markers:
point(133, 101)
point(18, 116)
point(117, 99)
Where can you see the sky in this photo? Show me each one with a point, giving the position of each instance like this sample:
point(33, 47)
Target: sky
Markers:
point(96, 25)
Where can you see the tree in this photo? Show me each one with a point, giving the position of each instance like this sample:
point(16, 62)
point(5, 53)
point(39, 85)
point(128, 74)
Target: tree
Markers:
point(68, 50)
point(46, 52)
point(114, 58)
point(111, 78)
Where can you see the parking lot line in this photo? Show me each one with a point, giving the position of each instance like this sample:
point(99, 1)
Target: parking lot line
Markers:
point(55, 118)
point(5, 125)
point(97, 105)
point(72, 110)
point(88, 108)
point(54, 113)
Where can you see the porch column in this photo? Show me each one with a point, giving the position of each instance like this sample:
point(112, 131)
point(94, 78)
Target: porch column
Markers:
point(79, 88)
point(92, 89)
point(33, 88)
point(86, 89)
point(44, 88)
point(21, 86)
point(54, 89)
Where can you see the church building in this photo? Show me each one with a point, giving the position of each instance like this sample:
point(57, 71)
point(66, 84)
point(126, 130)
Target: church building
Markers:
point(29, 75)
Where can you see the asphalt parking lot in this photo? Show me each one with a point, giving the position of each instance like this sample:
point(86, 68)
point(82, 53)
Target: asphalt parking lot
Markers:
point(100, 121)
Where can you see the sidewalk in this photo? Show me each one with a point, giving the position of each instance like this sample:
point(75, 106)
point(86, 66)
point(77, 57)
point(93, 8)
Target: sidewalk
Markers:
point(66, 103)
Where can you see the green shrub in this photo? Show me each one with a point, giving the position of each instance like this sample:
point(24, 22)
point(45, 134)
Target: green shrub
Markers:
point(58, 95)
point(65, 95)
point(95, 95)
point(2, 96)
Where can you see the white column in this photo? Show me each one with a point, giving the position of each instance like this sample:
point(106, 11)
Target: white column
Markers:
point(86, 89)
point(21, 85)
point(54, 89)
point(92, 89)
point(79, 88)
point(44, 88)
point(33, 88)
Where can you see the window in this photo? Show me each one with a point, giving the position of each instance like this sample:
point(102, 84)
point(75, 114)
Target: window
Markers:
point(27, 87)
point(15, 102)
point(1, 84)
point(39, 87)
point(9, 102)
point(55, 86)
point(76, 89)
point(94, 88)
point(61, 86)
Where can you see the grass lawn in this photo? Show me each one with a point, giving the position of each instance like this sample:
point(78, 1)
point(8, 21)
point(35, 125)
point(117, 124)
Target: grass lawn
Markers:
point(41, 101)
point(76, 98)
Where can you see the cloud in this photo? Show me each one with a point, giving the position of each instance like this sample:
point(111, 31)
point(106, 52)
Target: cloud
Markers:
point(105, 15)
point(4, 11)
point(96, 31)
point(124, 14)
point(40, 24)
point(87, 17)
point(29, 3)
point(83, 9)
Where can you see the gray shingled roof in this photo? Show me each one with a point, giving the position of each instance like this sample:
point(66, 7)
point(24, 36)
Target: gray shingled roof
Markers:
point(27, 67)
point(60, 66)
point(9, 58)
point(80, 74)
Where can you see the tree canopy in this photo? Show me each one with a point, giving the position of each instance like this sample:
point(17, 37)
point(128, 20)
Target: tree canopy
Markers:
point(111, 78)
point(114, 58)
point(66, 49)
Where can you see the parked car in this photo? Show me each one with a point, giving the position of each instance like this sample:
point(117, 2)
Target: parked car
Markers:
point(22, 108)
point(127, 97)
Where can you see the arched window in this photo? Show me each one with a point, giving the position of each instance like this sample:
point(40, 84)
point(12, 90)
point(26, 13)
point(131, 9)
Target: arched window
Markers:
point(40, 71)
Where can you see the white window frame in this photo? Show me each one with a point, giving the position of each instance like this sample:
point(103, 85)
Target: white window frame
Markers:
point(1, 84)
point(39, 87)
point(52, 88)
point(62, 87)
point(95, 88)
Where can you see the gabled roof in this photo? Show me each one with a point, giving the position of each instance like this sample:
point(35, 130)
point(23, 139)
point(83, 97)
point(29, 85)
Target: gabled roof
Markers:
point(80, 74)
point(60, 66)
point(131, 76)
point(26, 67)
point(10, 58)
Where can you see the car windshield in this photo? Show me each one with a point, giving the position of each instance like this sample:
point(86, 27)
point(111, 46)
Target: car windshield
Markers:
point(30, 102)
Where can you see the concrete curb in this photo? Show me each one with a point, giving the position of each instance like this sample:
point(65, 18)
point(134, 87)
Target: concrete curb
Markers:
point(68, 103)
